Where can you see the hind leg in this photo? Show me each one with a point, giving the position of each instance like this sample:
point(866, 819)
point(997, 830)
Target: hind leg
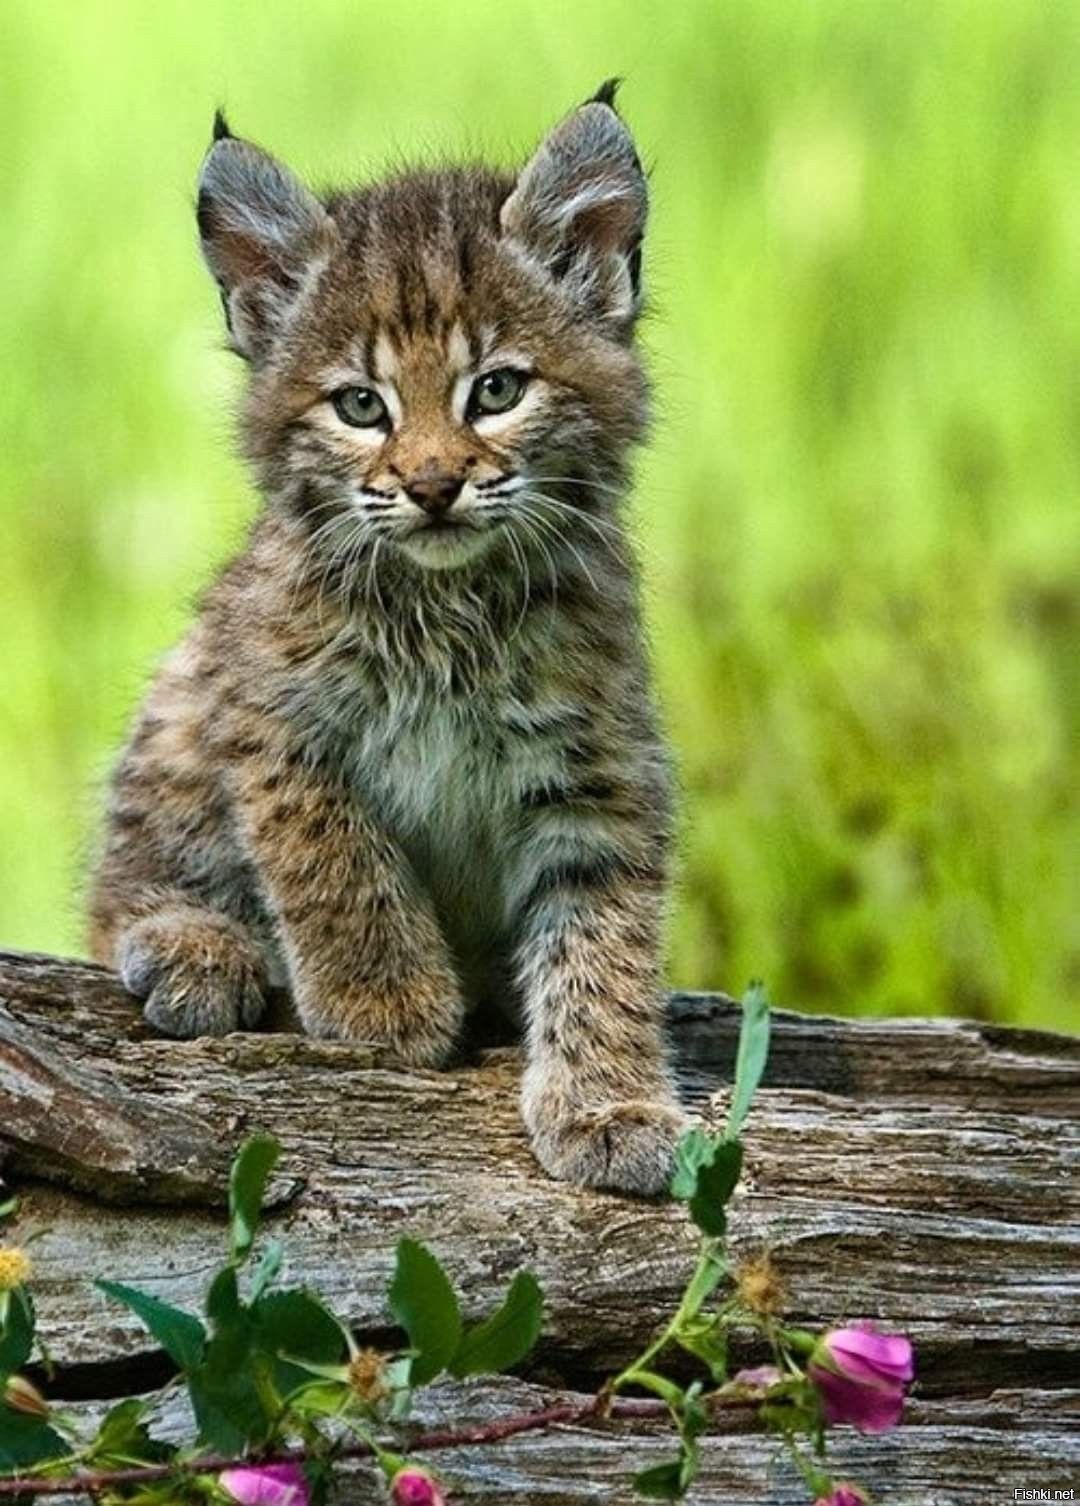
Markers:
point(198, 972)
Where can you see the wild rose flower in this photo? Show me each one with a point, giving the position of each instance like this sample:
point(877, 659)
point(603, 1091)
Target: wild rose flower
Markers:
point(413, 1486)
point(842, 1495)
point(862, 1375)
point(267, 1485)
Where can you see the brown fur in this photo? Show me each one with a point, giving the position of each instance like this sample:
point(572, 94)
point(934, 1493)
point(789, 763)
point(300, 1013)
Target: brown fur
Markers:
point(407, 761)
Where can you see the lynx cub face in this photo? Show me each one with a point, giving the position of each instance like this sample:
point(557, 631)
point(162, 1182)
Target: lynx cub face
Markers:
point(436, 357)
point(406, 763)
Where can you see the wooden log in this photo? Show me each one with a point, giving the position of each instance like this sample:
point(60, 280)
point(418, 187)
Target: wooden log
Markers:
point(923, 1173)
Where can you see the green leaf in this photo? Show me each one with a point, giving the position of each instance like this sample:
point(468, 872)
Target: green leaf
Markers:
point(707, 1168)
point(25, 1441)
point(320, 1480)
point(266, 1271)
point(397, 1380)
point(338, 1372)
point(695, 1149)
point(16, 1330)
point(237, 1393)
point(232, 1409)
point(712, 1267)
point(123, 1436)
point(715, 1184)
point(707, 1339)
point(751, 1057)
point(694, 1420)
point(507, 1336)
point(667, 1390)
point(120, 1428)
point(180, 1335)
point(216, 1410)
point(690, 1463)
point(423, 1302)
point(8, 1207)
point(661, 1482)
point(321, 1398)
point(247, 1184)
point(295, 1323)
point(223, 1298)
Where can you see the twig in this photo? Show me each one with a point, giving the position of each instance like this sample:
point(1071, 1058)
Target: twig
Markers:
point(489, 1432)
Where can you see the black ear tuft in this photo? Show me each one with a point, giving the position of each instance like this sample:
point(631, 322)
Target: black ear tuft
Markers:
point(606, 93)
point(634, 268)
point(262, 231)
point(579, 208)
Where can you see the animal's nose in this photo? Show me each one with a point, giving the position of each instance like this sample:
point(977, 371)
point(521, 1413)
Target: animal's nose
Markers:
point(434, 491)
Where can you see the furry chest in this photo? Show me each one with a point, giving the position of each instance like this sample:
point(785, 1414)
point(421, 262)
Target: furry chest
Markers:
point(437, 784)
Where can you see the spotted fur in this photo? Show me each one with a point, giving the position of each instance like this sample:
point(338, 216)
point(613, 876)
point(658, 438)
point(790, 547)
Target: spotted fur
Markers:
point(406, 763)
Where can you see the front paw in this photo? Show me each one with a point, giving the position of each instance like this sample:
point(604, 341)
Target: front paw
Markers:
point(629, 1146)
point(411, 1028)
point(200, 1005)
point(393, 1050)
point(192, 985)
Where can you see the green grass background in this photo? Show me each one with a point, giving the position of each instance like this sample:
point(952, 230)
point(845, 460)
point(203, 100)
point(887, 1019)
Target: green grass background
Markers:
point(859, 515)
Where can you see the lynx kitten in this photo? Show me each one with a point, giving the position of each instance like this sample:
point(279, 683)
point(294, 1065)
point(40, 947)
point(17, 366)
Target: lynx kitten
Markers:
point(406, 763)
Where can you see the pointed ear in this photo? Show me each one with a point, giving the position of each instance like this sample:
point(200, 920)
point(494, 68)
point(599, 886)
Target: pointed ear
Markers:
point(579, 209)
point(262, 234)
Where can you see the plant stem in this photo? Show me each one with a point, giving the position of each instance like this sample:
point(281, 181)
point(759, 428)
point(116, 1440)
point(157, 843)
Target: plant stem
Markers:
point(488, 1432)
point(701, 1283)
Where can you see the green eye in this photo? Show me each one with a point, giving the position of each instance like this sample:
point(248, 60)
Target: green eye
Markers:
point(497, 391)
point(360, 406)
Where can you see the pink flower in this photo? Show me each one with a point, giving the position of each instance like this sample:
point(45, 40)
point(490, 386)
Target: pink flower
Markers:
point(267, 1485)
point(842, 1495)
point(861, 1375)
point(413, 1486)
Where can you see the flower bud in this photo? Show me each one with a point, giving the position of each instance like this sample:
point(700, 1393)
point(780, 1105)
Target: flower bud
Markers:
point(862, 1375)
point(413, 1486)
point(15, 1268)
point(21, 1396)
point(842, 1495)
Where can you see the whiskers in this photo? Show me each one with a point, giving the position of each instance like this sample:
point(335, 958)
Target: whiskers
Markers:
point(344, 544)
point(344, 559)
point(559, 537)
point(553, 527)
point(621, 534)
point(373, 576)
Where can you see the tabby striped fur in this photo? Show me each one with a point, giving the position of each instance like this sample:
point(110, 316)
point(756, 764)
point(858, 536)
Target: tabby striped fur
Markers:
point(406, 764)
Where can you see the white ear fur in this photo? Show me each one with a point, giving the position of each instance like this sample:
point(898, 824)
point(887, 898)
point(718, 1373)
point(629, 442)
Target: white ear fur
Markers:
point(262, 233)
point(579, 208)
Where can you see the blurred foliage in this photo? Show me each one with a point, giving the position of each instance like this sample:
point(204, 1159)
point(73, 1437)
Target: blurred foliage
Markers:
point(859, 513)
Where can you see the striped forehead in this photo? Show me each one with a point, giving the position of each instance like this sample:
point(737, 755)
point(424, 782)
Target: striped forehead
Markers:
point(451, 350)
point(417, 251)
point(417, 293)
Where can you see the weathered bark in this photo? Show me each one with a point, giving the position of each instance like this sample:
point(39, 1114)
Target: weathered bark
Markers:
point(923, 1173)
